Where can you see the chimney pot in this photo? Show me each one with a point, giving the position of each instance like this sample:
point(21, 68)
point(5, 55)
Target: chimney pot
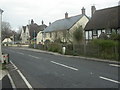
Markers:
point(42, 22)
point(32, 22)
point(93, 9)
point(66, 15)
point(49, 23)
point(83, 11)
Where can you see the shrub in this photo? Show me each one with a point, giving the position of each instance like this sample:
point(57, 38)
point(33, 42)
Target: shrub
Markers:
point(54, 47)
point(106, 48)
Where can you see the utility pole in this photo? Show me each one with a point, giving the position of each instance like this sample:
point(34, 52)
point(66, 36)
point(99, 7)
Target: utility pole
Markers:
point(1, 11)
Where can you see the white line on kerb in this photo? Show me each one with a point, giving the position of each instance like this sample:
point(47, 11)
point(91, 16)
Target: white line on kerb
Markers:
point(109, 79)
point(34, 56)
point(24, 79)
point(115, 65)
point(64, 66)
point(13, 65)
point(12, 83)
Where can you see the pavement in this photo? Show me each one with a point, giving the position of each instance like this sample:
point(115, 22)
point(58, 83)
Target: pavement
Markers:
point(86, 58)
point(4, 80)
point(42, 69)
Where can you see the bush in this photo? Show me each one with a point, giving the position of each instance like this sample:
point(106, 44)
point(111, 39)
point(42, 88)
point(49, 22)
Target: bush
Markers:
point(54, 47)
point(31, 46)
point(107, 48)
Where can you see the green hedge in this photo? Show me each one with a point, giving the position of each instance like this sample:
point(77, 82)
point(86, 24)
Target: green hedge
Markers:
point(107, 48)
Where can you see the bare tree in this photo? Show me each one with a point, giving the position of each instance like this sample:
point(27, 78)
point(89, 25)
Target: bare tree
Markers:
point(6, 30)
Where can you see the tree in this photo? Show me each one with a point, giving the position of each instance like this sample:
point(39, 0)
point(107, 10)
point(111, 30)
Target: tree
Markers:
point(18, 34)
point(78, 34)
point(6, 30)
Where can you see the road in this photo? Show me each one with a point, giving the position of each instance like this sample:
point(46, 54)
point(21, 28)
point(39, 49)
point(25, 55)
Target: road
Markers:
point(43, 70)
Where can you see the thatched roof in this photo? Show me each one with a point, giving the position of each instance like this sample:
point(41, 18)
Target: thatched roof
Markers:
point(105, 18)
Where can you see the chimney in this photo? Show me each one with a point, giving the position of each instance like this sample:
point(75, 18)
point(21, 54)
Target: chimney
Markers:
point(66, 15)
point(32, 22)
point(119, 3)
point(42, 22)
point(49, 23)
point(83, 11)
point(93, 9)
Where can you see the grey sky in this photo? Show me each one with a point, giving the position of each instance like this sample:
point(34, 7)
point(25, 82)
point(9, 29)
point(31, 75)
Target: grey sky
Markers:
point(19, 12)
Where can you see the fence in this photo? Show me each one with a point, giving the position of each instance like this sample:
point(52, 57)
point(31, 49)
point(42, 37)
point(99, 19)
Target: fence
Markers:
point(93, 51)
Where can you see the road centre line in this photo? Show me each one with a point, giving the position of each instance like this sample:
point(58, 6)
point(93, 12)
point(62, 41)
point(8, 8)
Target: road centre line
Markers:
point(115, 65)
point(23, 77)
point(20, 53)
point(109, 79)
point(64, 66)
point(34, 56)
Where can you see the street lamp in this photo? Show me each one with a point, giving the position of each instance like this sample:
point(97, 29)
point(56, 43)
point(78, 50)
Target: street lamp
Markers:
point(1, 11)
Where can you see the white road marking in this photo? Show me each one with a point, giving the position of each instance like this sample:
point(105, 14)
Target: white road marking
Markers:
point(11, 51)
point(20, 53)
point(12, 83)
point(65, 66)
point(115, 65)
point(13, 65)
point(34, 56)
point(109, 79)
point(23, 77)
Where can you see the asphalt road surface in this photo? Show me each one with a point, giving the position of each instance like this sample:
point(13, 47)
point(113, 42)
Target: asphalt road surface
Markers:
point(44, 70)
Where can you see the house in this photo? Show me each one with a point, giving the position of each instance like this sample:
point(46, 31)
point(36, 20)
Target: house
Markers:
point(29, 32)
point(7, 41)
point(105, 20)
point(39, 37)
point(25, 35)
point(63, 29)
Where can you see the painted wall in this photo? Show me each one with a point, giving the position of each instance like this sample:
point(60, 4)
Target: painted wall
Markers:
point(7, 40)
point(39, 37)
point(64, 35)
point(82, 22)
point(25, 35)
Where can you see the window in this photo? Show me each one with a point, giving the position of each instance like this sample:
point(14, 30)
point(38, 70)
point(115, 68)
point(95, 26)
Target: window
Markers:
point(94, 32)
point(113, 30)
point(99, 32)
point(108, 31)
point(90, 34)
point(86, 33)
point(50, 34)
point(118, 31)
point(103, 31)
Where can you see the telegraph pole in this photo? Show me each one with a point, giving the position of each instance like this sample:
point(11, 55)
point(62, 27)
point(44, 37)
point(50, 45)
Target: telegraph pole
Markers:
point(1, 11)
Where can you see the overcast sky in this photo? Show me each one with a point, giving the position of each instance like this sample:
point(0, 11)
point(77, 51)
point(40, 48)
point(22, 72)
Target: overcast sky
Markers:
point(19, 12)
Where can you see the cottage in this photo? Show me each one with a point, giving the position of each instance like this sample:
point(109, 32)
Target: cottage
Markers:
point(104, 20)
point(30, 31)
point(7, 41)
point(40, 33)
point(63, 29)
